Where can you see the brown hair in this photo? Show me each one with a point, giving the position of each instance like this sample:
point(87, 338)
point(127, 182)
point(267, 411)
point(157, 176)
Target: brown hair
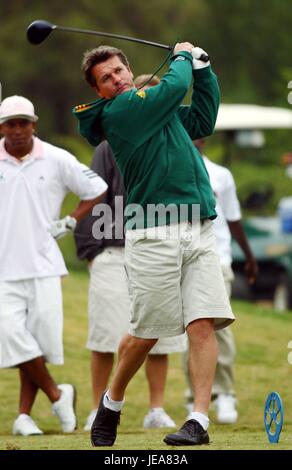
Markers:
point(145, 79)
point(98, 55)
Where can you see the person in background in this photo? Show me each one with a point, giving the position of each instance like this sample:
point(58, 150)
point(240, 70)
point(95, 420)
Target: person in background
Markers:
point(108, 298)
point(35, 176)
point(227, 224)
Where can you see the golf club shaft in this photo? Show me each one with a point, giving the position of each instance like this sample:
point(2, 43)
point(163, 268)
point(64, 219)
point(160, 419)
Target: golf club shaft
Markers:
point(204, 57)
point(39, 30)
point(110, 35)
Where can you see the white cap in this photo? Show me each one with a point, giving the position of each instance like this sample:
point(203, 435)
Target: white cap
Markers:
point(17, 107)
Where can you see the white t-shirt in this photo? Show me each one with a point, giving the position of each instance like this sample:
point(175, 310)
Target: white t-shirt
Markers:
point(227, 207)
point(31, 196)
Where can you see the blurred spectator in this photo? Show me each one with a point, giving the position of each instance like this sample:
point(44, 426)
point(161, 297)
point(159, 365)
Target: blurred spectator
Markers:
point(34, 178)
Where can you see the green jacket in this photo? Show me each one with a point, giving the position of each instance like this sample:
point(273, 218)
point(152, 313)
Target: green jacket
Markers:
point(151, 135)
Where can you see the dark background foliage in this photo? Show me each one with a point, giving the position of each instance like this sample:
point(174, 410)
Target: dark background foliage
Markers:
point(248, 40)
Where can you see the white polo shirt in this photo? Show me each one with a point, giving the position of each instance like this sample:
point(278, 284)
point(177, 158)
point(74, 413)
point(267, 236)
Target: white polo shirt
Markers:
point(31, 196)
point(227, 207)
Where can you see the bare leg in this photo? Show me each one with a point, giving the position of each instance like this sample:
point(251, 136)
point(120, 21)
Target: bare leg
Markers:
point(203, 359)
point(28, 392)
point(132, 353)
point(156, 372)
point(37, 372)
point(101, 367)
point(224, 378)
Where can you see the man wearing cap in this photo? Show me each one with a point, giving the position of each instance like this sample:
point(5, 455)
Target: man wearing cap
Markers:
point(34, 178)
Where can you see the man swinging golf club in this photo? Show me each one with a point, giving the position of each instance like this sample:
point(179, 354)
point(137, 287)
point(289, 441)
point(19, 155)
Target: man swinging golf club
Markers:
point(175, 282)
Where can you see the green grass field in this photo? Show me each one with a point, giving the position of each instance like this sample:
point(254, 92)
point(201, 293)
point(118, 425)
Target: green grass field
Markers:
point(262, 337)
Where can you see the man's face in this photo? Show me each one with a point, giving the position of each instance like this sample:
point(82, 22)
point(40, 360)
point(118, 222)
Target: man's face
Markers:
point(112, 78)
point(17, 133)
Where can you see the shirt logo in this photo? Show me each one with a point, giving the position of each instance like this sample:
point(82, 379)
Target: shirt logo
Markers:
point(1, 177)
point(142, 94)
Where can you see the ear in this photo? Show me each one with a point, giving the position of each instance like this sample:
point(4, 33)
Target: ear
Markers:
point(34, 127)
point(132, 75)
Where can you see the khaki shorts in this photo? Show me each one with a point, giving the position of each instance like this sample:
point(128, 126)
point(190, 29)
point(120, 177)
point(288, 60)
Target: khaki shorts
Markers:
point(31, 321)
point(228, 276)
point(174, 278)
point(109, 306)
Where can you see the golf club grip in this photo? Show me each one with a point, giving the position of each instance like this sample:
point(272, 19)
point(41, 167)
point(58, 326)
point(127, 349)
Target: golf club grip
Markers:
point(204, 58)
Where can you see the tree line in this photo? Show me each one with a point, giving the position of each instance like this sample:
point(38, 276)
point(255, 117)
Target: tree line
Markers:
point(248, 41)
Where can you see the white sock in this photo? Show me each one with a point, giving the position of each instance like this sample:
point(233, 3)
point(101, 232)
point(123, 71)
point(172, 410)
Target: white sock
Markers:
point(112, 404)
point(201, 418)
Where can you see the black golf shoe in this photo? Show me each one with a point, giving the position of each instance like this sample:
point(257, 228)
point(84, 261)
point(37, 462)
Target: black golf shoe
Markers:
point(190, 434)
point(104, 427)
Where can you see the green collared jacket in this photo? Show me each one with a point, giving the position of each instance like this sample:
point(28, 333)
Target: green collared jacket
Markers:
point(151, 133)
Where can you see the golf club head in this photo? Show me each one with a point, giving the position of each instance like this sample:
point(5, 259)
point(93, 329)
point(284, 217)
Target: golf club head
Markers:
point(38, 31)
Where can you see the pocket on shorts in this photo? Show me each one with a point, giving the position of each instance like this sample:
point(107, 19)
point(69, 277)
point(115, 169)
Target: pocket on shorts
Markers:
point(102, 258)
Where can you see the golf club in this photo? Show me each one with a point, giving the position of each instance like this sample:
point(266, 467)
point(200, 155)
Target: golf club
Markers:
point(39, 30)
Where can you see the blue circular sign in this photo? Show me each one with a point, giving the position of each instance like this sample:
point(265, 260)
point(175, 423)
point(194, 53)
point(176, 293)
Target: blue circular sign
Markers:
point(273, 416)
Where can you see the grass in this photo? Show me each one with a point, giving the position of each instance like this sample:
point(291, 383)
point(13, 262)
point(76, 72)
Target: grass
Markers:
point(262, 337)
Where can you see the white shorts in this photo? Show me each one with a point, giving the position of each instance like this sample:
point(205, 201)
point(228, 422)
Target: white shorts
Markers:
point(109, 306)
point(31, 321)
point(174, 278)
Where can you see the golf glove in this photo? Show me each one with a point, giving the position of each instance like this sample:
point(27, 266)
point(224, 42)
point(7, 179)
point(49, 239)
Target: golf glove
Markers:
point(197, 63)
point(60, 228)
